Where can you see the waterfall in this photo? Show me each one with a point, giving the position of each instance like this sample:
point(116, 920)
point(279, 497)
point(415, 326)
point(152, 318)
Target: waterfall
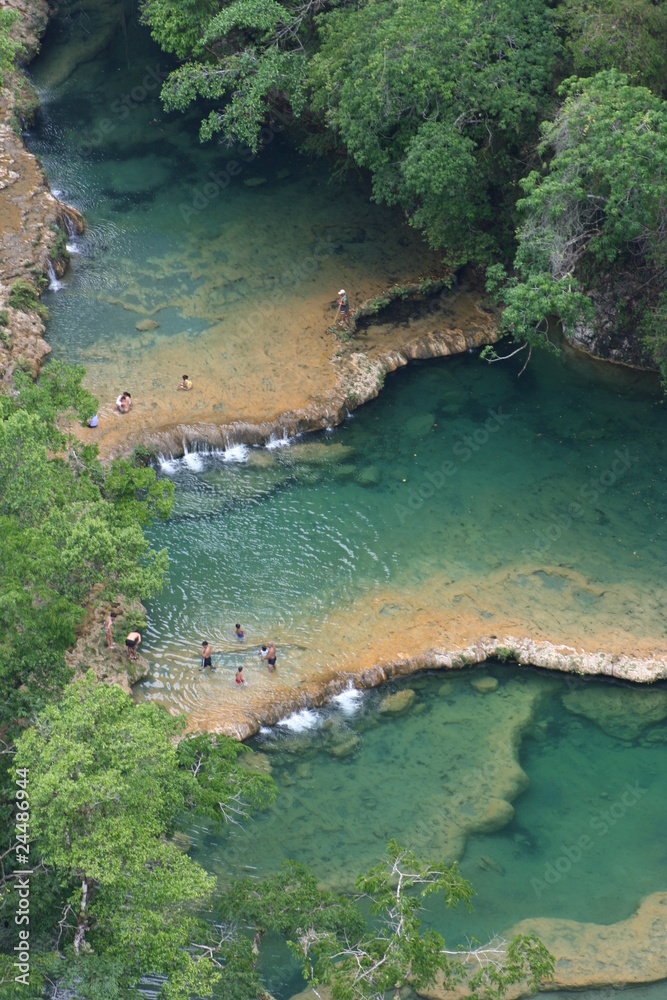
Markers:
point(54, 284)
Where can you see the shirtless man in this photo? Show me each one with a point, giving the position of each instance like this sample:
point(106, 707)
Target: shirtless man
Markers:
point(271, 658)
point(206, 655)
point(132, 641)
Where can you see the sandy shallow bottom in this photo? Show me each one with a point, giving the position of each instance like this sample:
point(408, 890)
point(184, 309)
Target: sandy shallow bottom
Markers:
point(393, 632)
point(277, 370)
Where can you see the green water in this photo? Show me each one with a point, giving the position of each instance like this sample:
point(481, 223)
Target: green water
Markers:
point(554, 483)
point(280, 542)
point(220, 248)
point(337, 814)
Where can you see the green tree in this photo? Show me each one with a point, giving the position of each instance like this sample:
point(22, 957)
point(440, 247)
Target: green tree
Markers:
point(106, 783)
point(627, 35)
point(437, 100)
point(363, 959)
point(243, 55)
point(66, 525)
point(599, 206)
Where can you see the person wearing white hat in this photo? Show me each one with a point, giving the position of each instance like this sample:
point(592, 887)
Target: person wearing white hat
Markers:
point(343, 306)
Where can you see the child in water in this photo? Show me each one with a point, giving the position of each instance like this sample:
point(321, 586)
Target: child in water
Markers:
point(240, 679)
point(240, 634)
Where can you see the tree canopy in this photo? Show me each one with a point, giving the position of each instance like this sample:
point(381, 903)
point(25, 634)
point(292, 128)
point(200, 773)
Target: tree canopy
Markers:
point(598, 205)
point(67, 524)
point(107, 783)
point(436, 100)
point(441, 102)
point(367, 946)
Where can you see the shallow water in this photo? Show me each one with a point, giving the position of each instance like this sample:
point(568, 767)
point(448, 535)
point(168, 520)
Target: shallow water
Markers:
point(462, 489)
point(337, 813)
point(287, 540)
point(233, 257)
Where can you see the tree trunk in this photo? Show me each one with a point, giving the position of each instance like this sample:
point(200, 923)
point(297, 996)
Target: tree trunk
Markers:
point(81, 927)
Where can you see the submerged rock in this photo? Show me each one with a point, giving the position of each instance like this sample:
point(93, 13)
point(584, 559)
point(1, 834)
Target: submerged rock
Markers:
point(620, 712)
point(370, 476)
point(419, 426)
point(485, 685)
point(252, 182)
point(347, 746)
point(397, 703)
point(146, 324)
point(316, 453)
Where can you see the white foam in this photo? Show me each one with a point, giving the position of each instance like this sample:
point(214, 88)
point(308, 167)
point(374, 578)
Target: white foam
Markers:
point(169, 465)
point(193, 460)
point(72, 248)
point(235, 453)
point(301, 722)
point(349, 701)
point(54, 284)
point(279, 442)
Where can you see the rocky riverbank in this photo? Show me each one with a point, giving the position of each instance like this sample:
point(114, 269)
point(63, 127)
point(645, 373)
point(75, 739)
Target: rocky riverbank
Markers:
point(33, 224)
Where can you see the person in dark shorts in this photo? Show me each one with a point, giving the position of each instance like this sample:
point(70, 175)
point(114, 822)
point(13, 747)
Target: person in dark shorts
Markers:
point(132, 641)
point(271, 658)
point(240, 634)
point(206, 655)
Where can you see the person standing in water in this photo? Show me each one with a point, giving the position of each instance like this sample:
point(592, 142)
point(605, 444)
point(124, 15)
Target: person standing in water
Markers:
point(240, 679)
point(240, 634)
point(271, 658)
point(206, 655)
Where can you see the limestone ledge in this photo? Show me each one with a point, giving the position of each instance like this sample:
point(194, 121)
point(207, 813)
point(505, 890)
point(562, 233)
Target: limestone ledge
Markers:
point(528, 652)
point(360, 378)
point(243, 720)
point(628, 953)
point(32, 220)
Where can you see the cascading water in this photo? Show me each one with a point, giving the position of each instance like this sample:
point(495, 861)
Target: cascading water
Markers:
point(54, 284)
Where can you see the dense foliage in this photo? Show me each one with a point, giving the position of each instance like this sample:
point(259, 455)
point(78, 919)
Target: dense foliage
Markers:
point(67, 524)
point(8, 47)
point(113, 895)
point(367, 947)
point(600, 205)
point(436, 100)
point(441, 102)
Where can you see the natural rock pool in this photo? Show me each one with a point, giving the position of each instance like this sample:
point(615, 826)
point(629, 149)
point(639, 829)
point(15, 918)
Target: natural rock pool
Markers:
point(463, 503)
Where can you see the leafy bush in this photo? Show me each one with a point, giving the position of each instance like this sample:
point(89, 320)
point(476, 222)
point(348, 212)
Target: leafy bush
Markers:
point(25, 297)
